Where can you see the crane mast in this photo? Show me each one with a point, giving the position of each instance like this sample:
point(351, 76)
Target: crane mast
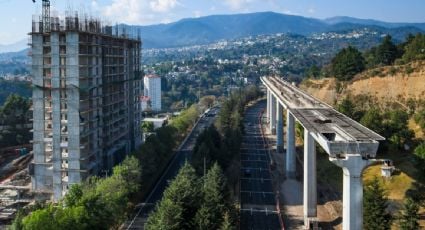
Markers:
point(46, 16)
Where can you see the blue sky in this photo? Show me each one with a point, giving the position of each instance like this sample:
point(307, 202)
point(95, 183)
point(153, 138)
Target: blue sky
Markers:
point(16, 14)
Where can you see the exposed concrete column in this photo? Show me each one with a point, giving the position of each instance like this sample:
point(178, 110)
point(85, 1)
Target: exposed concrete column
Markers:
point(310, 180)
point(272, 114)
point(290, 145)
point(268, 105)
point(352, 199)
point(279, 127)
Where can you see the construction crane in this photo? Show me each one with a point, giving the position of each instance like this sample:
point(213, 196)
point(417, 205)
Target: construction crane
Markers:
point(45, 15)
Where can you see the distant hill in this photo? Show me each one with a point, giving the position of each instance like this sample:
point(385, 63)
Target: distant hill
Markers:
point(371, 22)
point(20, 55)
point(14, 47)
point(204, 30)
point(398, 33)
point(209, 29)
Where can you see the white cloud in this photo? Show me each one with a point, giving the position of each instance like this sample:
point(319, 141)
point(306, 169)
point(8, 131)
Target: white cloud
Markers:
point(128, 11)
point(237, 4)
point(139, 11)
point(163, 5)
point(311, 10)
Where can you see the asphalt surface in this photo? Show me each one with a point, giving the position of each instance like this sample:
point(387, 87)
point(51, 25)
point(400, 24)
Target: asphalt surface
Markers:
point(182, 155)
point(258, 202)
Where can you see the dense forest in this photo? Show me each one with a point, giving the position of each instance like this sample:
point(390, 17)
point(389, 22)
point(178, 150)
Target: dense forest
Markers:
point(21, 88)
point(15, 121)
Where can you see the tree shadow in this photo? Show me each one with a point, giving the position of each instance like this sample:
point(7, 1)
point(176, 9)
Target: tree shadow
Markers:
point(330, 224)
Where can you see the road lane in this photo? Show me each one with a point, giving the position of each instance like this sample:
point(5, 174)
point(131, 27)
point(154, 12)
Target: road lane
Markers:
point(181, 156)
point(258, 202)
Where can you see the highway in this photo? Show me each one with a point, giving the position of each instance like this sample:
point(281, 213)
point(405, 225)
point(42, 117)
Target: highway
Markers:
point(181, 156)
point(258, 202)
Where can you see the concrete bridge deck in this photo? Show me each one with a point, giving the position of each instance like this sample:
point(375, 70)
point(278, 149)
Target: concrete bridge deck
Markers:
point(349, 144)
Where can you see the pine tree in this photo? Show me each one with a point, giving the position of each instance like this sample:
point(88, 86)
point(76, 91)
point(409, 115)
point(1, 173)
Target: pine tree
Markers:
point(375, 205)
point(179, 203)
point(347, 63)
point(184, 191)
point(167, 216)
point(409, 217)
point(209, 216)
point(386, 52)
point(415, 48)
point(226, 224)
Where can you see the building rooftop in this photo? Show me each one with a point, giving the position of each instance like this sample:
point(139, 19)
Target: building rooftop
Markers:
point(82, 23)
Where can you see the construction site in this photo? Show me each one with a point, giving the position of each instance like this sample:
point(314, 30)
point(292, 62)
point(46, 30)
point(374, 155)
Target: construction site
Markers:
point(86, 111)
point(14, 181)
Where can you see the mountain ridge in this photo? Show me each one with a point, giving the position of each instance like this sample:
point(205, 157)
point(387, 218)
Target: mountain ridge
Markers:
point(208, 29)
point(212, 28)
point(13, 47)
point(346, 19)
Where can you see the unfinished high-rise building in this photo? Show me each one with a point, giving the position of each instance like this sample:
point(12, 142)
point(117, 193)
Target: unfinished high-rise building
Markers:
point(86, 109)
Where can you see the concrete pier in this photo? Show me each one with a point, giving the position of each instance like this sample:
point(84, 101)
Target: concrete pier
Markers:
point(336, 133)
point(268, 105)
point(273, 115)
point(310, 179)
point(279, 127)
point(290, 146)
point(352, 166)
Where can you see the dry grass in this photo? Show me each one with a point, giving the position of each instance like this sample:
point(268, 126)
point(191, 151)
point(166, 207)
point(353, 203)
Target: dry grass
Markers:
point(399, 183)
point(396, 186)
point(416, 128)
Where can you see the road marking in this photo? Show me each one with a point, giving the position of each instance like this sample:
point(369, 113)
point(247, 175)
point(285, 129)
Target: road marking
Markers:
point(256, 178)
point(254, 154)
point(257, 192)
point(242, 161)
point(248, 168)
point(259, 210)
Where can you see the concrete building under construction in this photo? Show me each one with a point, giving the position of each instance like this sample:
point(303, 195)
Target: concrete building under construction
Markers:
point(86, 91)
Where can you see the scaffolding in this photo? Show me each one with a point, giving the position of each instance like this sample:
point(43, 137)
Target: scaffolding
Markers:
point(86, 94)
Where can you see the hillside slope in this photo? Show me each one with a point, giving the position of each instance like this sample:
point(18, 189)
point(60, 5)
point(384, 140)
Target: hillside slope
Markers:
point(391, 86)
point(383, 85)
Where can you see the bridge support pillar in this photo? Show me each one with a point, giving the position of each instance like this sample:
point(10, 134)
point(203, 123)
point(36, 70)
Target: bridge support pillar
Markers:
point(290, 146)
point(272, 114)
point(352, 166)
point(268, 105)
point(310, 180)
point(279, 127)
